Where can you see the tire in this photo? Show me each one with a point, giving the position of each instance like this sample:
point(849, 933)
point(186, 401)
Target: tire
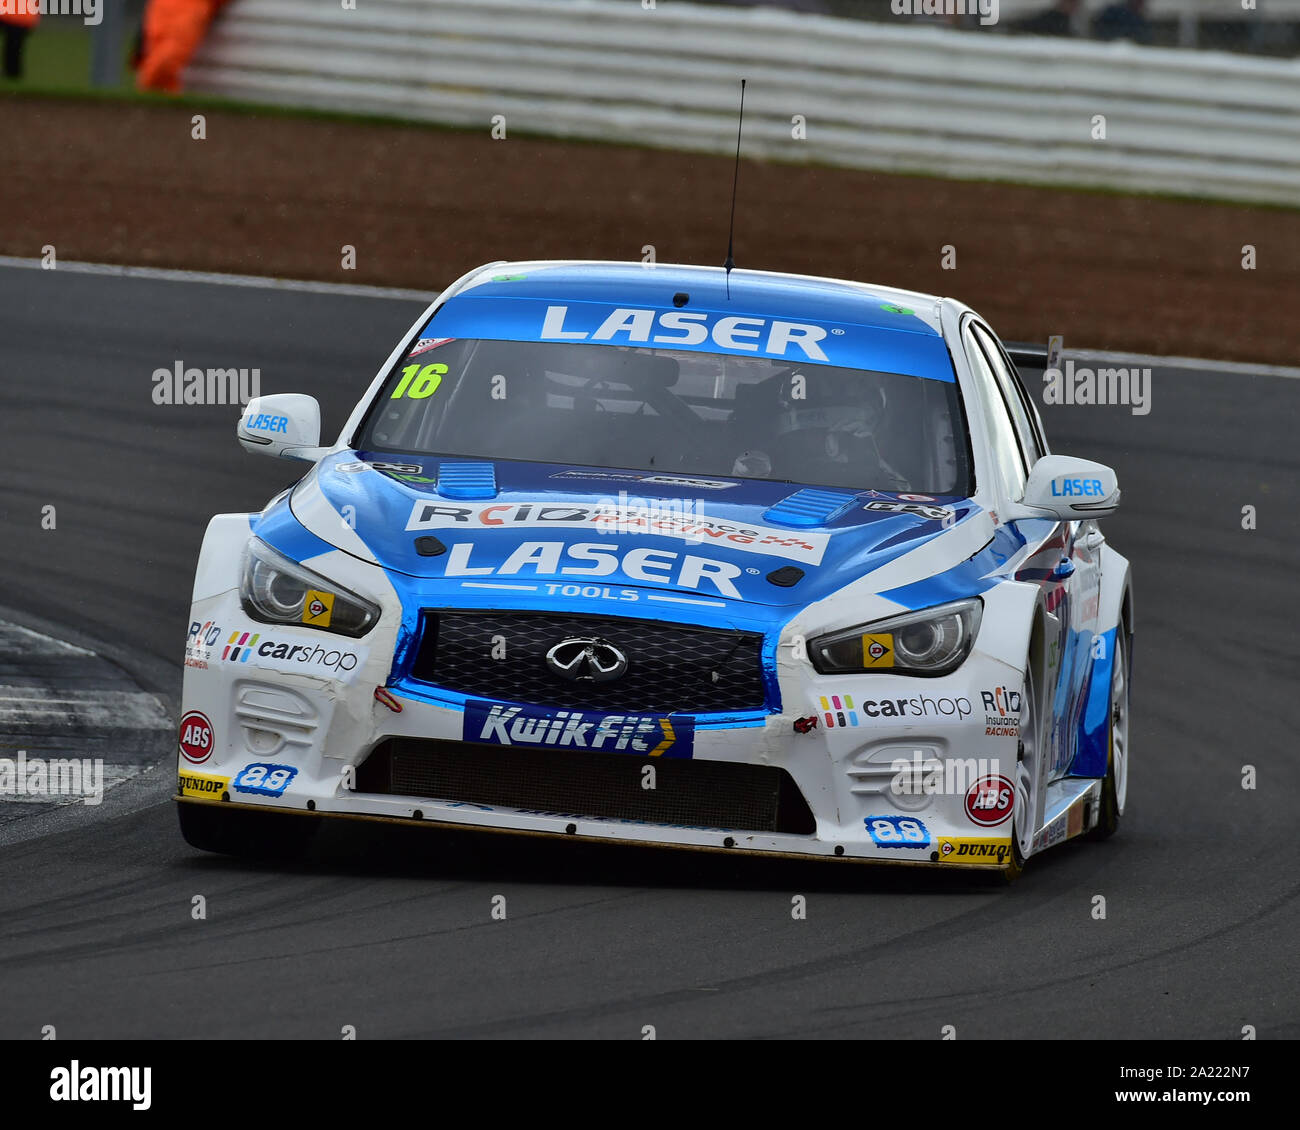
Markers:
point(1016, 861)
point(1015, 865)
point(247, 834)
point(1028, 725)
point(1114, 786)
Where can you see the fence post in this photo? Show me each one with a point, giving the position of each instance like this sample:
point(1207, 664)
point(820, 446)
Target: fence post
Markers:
point(106, 43)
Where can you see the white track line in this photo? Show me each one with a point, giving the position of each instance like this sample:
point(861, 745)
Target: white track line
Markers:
point(19, 638)
point(1142, 360)
point(47, 720)
point(163, 274)
point(78, 711)
point(1148, 361)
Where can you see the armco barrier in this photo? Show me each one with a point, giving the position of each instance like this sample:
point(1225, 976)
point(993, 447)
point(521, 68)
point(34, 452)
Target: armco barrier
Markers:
point(907, 98)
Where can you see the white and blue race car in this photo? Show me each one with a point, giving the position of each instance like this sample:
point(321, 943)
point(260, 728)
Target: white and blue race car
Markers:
point(752, 563)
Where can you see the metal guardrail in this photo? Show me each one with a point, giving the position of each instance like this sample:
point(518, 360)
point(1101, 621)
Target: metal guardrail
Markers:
point(914, 99)
point(1267, 27)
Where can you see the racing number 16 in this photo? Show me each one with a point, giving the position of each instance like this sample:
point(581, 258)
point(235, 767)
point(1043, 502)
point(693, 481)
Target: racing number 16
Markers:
point(418, 382)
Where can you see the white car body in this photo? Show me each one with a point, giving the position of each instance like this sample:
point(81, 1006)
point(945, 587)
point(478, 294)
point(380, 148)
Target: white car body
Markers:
point(897, 768)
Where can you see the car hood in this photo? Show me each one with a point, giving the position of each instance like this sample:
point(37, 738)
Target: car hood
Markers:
point(519, 527)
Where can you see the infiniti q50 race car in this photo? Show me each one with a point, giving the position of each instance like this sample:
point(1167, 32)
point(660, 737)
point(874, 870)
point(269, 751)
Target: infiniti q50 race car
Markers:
point(759, 562)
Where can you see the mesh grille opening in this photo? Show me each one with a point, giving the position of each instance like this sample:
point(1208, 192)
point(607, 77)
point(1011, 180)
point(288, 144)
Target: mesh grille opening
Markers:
point(672, 668)
point(577, 783)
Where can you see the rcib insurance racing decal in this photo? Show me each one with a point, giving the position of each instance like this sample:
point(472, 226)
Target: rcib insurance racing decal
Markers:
point(698, 529)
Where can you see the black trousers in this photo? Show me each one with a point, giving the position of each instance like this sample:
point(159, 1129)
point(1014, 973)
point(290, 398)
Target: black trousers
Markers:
point(14, 37)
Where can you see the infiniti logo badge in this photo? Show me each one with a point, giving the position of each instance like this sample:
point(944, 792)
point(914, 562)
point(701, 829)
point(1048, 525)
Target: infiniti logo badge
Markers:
point(586, 659)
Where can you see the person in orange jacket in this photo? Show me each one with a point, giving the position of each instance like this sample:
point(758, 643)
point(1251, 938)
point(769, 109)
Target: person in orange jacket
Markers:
point(173, 30)
point(16, 22)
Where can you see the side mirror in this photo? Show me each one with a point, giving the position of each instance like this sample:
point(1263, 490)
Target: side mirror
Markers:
point(286, 425)
point(1071, 489)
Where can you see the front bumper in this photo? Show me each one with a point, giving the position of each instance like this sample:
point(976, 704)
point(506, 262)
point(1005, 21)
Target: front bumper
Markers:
point(887, 773)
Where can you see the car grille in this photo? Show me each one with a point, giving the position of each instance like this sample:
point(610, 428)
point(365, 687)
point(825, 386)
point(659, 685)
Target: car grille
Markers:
point(579, 783)
point(672, 668)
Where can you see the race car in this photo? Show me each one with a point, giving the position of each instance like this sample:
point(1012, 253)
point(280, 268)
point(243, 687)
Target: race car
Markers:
point(730, 561)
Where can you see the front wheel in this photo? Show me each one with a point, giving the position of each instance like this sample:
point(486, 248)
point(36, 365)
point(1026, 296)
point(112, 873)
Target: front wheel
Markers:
point(1028, 784)
point(244, 833)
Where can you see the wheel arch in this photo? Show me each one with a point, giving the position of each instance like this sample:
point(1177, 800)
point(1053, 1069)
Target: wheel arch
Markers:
point(1017, 626)
point(1116, 601)
point(1022, 639)
point(217, 569)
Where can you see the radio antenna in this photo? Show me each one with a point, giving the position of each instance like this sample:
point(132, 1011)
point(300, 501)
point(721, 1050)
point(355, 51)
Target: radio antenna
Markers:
point(730, 264)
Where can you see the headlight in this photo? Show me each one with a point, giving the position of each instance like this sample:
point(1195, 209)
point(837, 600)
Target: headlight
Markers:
point(934, 641)
point(276, 590)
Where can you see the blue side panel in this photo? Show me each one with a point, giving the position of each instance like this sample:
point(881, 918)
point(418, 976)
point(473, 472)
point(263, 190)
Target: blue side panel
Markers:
point(1094, 724)
point(970, 578)
point(281, 530)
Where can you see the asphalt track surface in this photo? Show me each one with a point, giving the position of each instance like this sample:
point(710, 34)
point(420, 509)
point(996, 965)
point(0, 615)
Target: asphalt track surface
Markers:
point(390, 929)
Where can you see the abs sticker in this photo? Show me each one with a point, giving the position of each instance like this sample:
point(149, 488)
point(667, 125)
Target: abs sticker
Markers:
point(990, 800)
point(196, 740)
point(201, 785)
point(264, 780)
point(897, 831)
point(974, 851)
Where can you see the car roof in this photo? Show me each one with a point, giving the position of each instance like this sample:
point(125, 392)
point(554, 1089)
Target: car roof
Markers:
point(760, 293)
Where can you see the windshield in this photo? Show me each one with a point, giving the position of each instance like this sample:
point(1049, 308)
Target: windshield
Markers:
point(678, 411)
